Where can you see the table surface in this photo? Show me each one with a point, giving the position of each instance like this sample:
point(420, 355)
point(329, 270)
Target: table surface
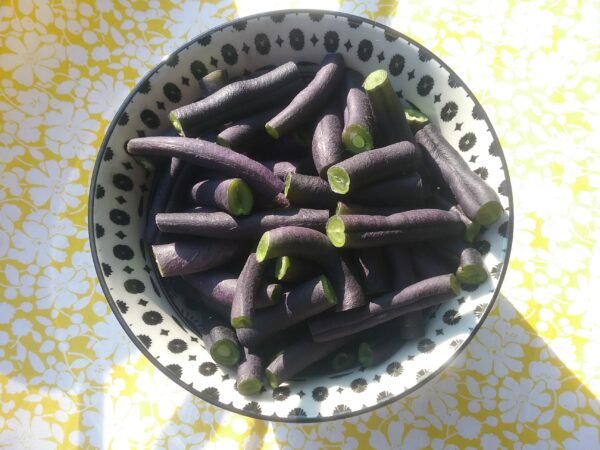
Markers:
point(69, 376)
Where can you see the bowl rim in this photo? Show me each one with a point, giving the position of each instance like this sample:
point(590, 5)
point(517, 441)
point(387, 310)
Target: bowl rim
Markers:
point(250, 414)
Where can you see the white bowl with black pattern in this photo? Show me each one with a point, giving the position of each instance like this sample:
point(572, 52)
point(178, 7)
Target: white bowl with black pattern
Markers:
point(154, 316)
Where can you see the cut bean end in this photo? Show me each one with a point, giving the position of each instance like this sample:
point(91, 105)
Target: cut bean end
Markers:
point(272, 379)
point(328, 290)
point(262, 248)
point(489, 213)
point(471, 275)
point(241, 322)
point(336, 231)
point(225, 352)
point(365, 354)
point(356, 139)
point(454, 284)
point(282, 265)
point(176, 123)
point(239, 197)
point(223, 142)
point(273, 132)
point(250, 387)
point(342, 361)
point(339, 181)
point(472, 231)
point(375, 79)
point(416, 117)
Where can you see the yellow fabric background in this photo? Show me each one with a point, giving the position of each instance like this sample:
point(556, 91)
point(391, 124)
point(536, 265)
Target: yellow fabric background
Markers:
point(70, 378)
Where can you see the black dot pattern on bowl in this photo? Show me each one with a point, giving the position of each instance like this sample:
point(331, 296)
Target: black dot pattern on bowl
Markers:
point(252, 407)
point(449, 111)
point(455, 343)
point(177, 346)
point(483, 247)
point(211, 393)
point(426, 345)
point(100, 191)
point(124, 119)
point(496, 270)
point(365, 50)
point(358, 385)
point(477, 112)
point(123, 252)
point(502, 229)
point(453, 81)
point(122, 306)
point(425, 85)
point(503, 188)
point(297, 39)
point(262, 43)
point(145, 87)
point(422, 373)
point(297, 412)
point(494, 149)
point(480, 309)
point(391, 36)
point(175, 369)
point(172, 92)
point(320, 393)
point(315, 17)
point(240, 25)
point(341, 409)
point(281, 393)
point(354, 23)
point(172, 60)
point(150, 119)
point(198, 69)
point(383, 395)
point(424, 55)
point(152, 318)
point(205, 40)
point(99, 230)
point(277, 18)
point(396, 65)
point(134, 286)
point(394, 369)
point(108, 154)
point(331, 41)
point(467, 142)
point(207, 368)
point(482, 172)
point(229, 54)
point(451, 317)
point(145, 339)
point(119, 217)
point(122, 182)
point(106, 269)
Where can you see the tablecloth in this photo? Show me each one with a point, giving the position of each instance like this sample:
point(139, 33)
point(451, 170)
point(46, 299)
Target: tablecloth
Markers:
point(69, 376)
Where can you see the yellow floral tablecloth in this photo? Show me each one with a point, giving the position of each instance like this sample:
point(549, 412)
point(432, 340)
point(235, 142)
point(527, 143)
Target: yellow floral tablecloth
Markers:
point(69, 377)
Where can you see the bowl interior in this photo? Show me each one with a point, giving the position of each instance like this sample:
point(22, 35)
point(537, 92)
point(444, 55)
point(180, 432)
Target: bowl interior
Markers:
point(154, 315)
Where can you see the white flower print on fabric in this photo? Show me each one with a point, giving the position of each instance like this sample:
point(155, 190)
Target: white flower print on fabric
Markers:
point(9, 214)
point(185, 17)
point(43, 238)
point(112, 343)
point(22, 284)
point(33, 58)
point(521, 400)
point(25, 430)
point(106, 95)
point(71, 131)
point(62, 288)
point(55, 184)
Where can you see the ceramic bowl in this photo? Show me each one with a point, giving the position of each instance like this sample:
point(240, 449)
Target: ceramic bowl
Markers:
point(153, 315)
